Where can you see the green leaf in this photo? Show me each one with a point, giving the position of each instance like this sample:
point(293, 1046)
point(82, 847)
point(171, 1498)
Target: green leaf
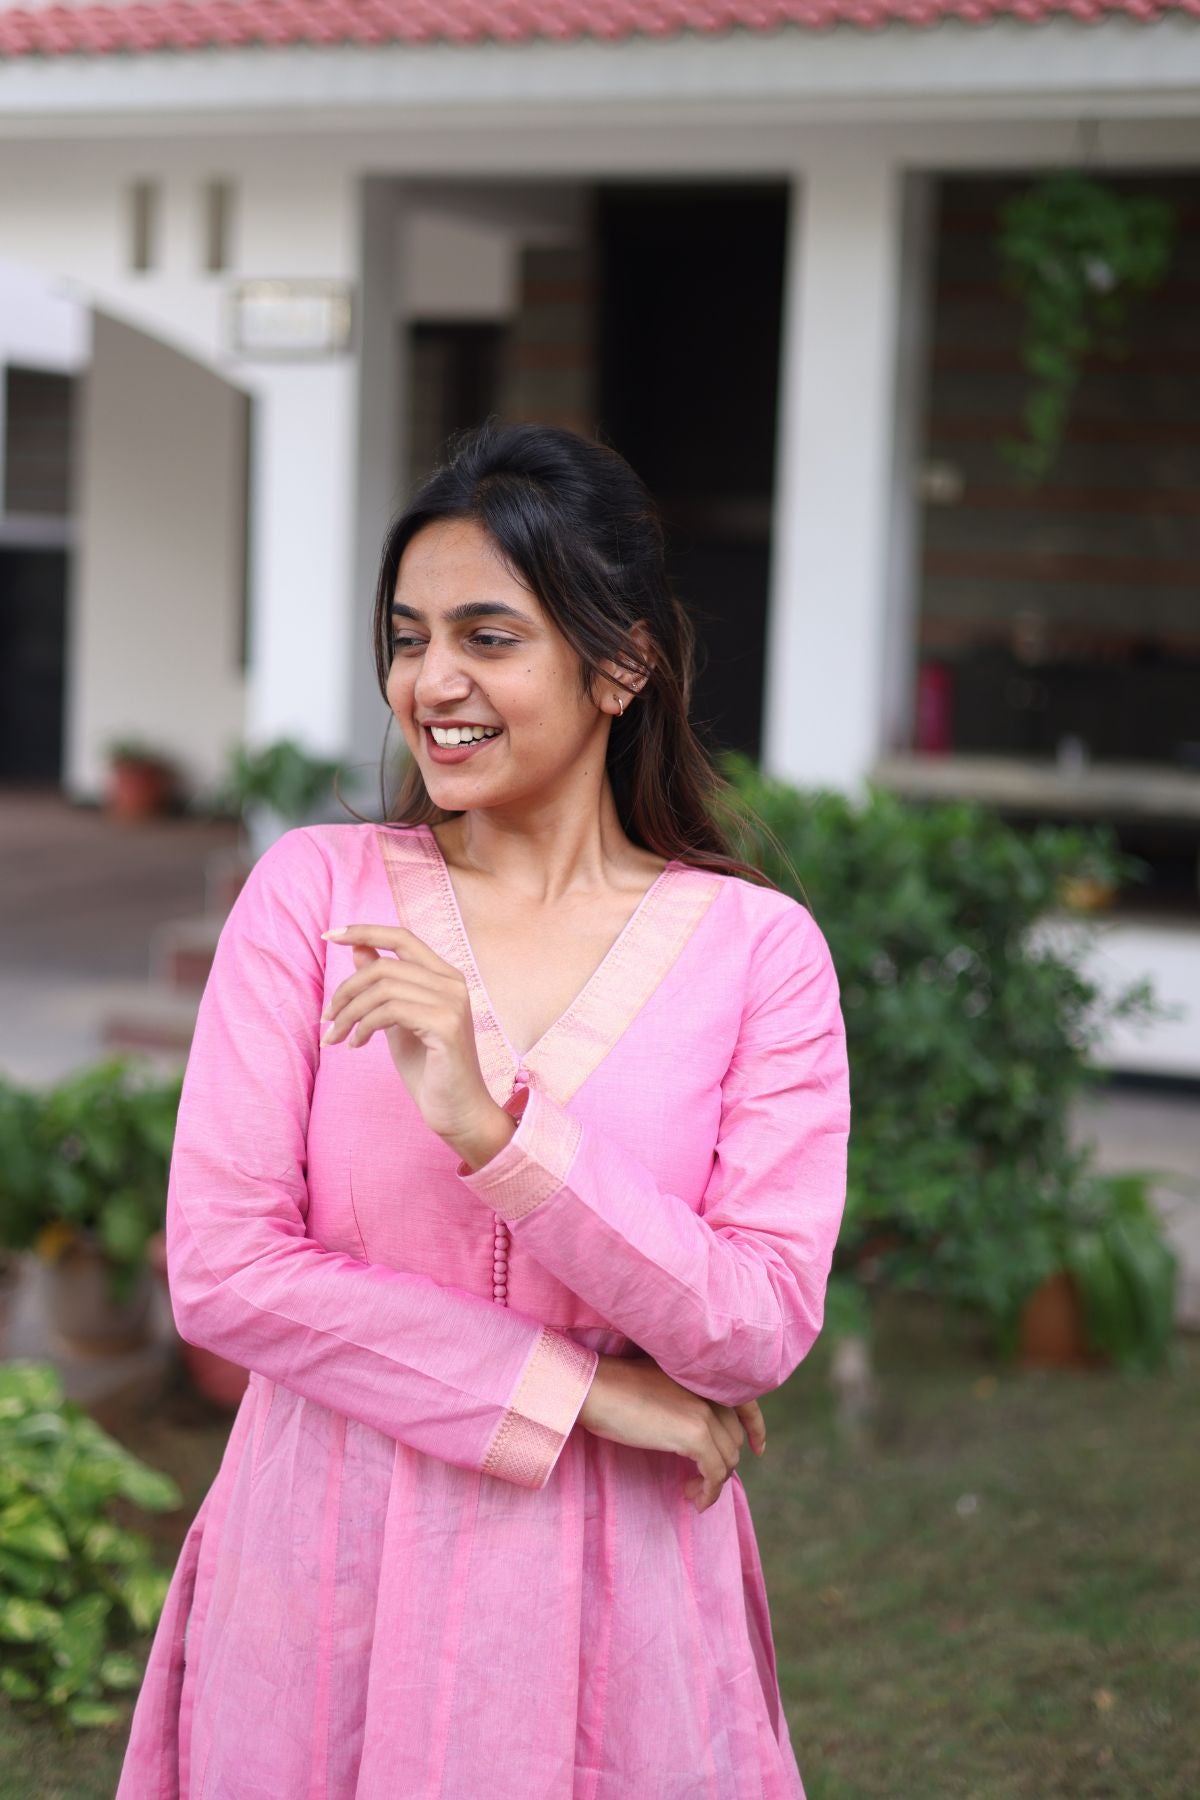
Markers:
point(16, 1684)
point(105, 1542)
point(93, 1712)
point(26, 1574)
point(148, 1488)
point(119, 1670)
point(28, 1387)
point(143, 1591)
point(24, 1621)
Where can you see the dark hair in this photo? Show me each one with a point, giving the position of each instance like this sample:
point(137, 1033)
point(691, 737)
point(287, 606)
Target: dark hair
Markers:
point(579, 529)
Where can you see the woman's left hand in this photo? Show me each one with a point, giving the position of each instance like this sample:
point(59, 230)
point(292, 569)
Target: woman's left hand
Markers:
point(423, 1006)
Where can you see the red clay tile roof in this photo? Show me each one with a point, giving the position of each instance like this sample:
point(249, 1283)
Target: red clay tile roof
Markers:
point(133, 26)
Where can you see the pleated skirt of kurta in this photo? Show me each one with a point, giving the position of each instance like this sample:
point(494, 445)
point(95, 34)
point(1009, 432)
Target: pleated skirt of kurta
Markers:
point(352, 1620)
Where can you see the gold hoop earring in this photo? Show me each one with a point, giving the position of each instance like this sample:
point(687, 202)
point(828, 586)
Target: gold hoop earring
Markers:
point(620, 703)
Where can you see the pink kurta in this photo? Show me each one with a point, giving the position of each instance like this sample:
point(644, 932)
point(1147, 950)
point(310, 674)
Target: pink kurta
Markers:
point(414, 1576)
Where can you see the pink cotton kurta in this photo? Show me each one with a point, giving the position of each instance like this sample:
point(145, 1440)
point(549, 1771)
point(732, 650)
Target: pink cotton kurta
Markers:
point(414, 1577)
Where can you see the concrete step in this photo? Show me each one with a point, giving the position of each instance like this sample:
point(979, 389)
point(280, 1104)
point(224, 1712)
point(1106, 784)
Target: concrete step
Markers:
point(157, 1023)
point(224, 873)
point(182, 950)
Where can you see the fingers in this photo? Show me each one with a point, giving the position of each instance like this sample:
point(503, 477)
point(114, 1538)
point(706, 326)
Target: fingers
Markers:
point(729, 1433)
point(706, 1487)
point(750, 1413)
point(716, 1457)
point(395, 938)
point(376, 975)
point(409, 1002)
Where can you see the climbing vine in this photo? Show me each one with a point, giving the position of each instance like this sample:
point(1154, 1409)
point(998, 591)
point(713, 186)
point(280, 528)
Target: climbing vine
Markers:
point(1075, 251)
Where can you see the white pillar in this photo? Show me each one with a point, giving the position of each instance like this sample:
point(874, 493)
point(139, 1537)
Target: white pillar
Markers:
point(302, 552)
point(380, 451)
point(842, 561)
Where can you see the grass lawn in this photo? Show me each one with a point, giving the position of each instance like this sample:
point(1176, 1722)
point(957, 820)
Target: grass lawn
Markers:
point(997, 1599)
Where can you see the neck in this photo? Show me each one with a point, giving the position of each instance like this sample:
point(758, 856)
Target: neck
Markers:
point(542, 852)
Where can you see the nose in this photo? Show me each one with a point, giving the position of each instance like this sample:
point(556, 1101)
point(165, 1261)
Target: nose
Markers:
point(441, 677)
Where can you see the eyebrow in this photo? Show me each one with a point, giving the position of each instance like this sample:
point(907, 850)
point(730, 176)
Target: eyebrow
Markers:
point(470, 609)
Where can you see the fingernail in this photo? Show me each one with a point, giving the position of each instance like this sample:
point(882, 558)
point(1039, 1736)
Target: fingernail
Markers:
point(326, 1039)
point(337, 931)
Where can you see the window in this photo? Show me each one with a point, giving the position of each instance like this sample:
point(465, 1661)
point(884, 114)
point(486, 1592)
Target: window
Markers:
point(143, 226)
point(218, 219)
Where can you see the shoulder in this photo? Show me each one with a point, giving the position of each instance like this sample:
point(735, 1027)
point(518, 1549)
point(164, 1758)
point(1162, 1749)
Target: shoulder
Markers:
point(772, 923)
point(300, 872)
point(788, 960)
point(318, 853)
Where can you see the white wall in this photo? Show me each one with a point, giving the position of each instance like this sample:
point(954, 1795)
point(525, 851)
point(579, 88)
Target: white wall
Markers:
point(42, 326)
point(154, 632)
point(64, 210)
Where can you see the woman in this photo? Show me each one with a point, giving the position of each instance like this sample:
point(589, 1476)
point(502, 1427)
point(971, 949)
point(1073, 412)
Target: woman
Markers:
point(510, 1162)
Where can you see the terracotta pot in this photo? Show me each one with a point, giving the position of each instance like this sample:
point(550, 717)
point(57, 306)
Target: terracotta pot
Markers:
point(83, 1312)
point(1082, 893)
point(138, 790)
point(220, 1381)
point(1051, 1334)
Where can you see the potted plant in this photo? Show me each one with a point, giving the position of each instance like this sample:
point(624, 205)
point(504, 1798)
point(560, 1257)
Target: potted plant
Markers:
point(77, 1590)
point(83, 1181)
point(1111, 1297)
point(141, 782)
point(276, 786)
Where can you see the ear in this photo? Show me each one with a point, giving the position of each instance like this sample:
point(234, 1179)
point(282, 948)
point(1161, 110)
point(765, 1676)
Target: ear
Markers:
point(627, 683)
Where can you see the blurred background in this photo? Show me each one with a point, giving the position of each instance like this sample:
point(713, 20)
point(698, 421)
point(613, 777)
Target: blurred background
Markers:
point(894, 308)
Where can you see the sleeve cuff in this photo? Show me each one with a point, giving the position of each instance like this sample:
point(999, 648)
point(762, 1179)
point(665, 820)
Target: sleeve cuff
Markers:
point(530, 1437)
point(533, 1165)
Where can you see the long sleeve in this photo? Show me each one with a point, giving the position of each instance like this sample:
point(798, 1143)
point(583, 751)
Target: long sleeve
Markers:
point(730, 1298)
point(435, 1367)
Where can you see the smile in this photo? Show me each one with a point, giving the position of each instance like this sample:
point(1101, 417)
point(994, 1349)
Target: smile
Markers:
point(460, 751)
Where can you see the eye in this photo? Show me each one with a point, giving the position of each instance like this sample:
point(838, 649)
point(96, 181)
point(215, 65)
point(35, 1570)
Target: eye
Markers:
point(491, 641)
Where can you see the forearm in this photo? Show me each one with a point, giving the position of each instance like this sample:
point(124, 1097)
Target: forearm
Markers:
point(726, 1313)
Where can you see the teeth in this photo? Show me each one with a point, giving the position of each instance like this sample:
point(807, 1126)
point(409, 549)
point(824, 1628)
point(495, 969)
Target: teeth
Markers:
point(451, 735)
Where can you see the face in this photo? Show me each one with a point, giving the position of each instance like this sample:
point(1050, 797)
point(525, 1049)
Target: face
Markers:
point(473, 647)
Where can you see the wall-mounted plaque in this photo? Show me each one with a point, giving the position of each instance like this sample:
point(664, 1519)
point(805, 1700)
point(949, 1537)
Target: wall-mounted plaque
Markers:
point(291, 319)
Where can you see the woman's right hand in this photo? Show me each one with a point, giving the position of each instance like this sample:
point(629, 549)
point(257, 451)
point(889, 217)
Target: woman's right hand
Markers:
point(631, 1401)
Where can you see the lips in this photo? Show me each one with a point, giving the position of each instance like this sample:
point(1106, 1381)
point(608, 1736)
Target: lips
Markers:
point(455, 753)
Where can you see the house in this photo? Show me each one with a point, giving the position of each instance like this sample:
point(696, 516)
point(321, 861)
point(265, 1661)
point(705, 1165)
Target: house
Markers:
point(754, 242)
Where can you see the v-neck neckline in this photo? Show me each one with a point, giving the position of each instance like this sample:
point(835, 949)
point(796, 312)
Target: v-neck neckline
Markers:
point(595, 980)
point(642, 954)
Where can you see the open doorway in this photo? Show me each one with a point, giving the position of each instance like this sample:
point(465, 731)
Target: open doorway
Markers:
point(690, 309)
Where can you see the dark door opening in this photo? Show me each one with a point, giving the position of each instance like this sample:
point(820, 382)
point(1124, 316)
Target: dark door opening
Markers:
point(33, 586)
point(690, 309)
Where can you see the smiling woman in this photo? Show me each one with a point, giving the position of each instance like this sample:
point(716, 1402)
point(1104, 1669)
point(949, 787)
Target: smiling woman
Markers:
point(511, 1279)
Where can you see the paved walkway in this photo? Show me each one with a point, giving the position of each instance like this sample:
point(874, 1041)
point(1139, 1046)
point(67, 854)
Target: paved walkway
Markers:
point(80, 898)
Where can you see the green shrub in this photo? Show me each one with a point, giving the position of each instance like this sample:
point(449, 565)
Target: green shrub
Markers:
point(76, 1589)
point(89, 1157)
point(968, 1040)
